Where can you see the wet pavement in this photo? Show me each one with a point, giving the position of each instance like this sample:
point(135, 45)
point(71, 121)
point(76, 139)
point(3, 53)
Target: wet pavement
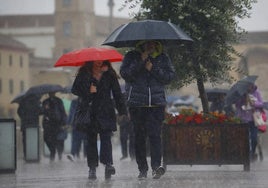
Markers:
point(45, 174)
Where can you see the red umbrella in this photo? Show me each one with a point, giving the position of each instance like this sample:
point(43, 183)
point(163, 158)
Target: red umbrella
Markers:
point(79, 57)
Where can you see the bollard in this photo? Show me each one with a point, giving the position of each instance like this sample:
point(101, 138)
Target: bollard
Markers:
point(8, 162)
point(32, 144)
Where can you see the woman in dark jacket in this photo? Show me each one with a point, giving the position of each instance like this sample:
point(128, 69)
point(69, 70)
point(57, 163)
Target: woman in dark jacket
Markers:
point(29, 111)
point(94, 84)
point(146, 71)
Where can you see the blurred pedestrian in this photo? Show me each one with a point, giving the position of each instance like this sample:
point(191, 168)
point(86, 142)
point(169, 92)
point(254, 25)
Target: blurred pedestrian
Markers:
point(127, 137)
point(54, 121)
point(218, 105)
point(245, 107)
point(94, 84)
point(147, 70)
point(29, 110)
point(78, 137)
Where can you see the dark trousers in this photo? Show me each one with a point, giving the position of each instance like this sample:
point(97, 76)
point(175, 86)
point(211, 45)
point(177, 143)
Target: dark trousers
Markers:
point(127, 140)
point(54, 145)
point(147, 122)
point(105, 155)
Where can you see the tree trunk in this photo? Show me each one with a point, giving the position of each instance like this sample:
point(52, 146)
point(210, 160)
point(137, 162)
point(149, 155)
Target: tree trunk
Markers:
point(200, 84)
point(202, 94)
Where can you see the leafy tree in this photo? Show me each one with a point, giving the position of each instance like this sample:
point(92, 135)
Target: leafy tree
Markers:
point(213, 25)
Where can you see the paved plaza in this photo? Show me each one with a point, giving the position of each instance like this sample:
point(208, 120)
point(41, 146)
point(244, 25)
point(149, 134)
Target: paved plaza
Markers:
point(66, 174)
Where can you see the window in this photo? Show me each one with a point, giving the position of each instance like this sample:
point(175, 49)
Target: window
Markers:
point(21, 61)
point(21, 86)
point(67, 26)
point(10, 60)
point(11, 85)
point(66, 2)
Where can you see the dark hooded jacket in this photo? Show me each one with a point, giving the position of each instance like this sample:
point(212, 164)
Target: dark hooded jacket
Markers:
point(29, 111)
point(146, 88)
point(54, 117)
point(108, 89)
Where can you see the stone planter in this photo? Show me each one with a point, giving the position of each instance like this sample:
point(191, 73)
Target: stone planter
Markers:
point(206, 144)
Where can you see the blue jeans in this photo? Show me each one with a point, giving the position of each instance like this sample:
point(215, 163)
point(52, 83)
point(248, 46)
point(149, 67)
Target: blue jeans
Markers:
point(147, 122)
point(78, 138)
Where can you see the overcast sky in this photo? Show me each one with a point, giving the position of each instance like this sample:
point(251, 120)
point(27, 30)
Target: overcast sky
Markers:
point(257, 22)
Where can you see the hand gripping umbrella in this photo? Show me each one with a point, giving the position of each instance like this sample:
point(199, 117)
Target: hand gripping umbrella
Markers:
point(79, 57)
point(128, 35)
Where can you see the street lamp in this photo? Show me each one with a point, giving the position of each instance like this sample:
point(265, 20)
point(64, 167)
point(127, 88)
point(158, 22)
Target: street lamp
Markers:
point(110, 5)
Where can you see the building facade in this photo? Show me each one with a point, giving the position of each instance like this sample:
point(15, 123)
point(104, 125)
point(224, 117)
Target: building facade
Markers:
point(14, 73)
point(46, 37)
point(74, 25)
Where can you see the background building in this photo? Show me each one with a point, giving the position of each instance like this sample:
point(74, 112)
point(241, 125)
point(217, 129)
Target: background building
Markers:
point(14, 73)
point(44, 39)
point(75, 25)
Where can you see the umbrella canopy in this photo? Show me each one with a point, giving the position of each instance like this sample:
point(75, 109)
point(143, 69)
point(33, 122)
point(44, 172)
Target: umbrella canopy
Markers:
point(19, 97)
point(128, 35)
point(43, 89)
point(239, 89)
point(215, 93)
point(67, 89)
point(22, 96)
point(79, 57)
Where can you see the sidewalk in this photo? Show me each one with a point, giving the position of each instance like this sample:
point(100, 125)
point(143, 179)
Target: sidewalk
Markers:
point(74, 175)
point(66, 174)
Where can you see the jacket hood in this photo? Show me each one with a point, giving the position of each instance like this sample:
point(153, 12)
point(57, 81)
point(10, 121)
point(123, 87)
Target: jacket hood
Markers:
point(157, 52)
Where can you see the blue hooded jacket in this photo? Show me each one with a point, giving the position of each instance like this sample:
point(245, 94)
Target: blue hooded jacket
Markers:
point(146, 88)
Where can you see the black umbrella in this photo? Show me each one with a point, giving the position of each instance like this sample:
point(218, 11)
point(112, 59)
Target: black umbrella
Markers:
point(23, 96)
point(215, 93)
point(128, 35)
point(67, 89)
point(19, 97)
point(239, 89)
point(43, 89)
point(243, 84)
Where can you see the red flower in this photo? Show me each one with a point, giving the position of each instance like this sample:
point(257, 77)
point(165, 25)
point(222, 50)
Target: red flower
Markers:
point(188, 116)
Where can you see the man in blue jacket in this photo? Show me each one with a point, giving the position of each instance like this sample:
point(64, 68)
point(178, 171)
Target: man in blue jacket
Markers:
point(146, 71)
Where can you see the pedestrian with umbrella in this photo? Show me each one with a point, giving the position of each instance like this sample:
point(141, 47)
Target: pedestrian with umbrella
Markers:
point(54, 120)
point(94, 84)
point(250, 100)
point(217, 98)
point(95, 81)
point(147, 70)
point(29, 111)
